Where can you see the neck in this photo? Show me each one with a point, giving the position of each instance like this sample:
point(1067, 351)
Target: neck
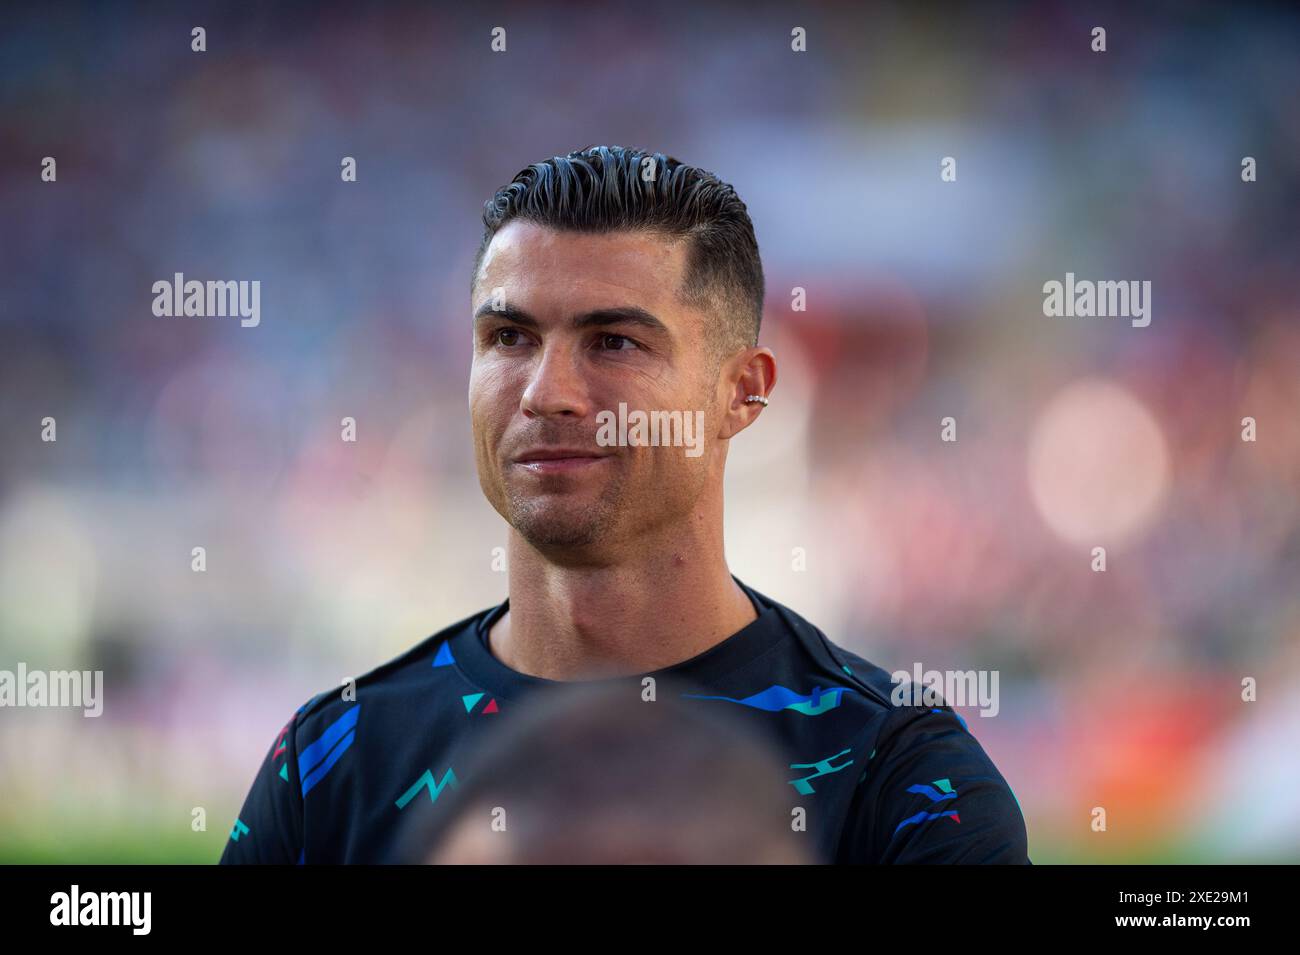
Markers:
point(665, 601)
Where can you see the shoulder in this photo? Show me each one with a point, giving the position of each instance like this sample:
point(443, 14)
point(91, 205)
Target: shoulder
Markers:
point(928, 791)
point(328, 718)
point(871, 682)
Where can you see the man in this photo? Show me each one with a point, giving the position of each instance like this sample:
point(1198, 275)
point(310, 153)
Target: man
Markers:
point(618, 284)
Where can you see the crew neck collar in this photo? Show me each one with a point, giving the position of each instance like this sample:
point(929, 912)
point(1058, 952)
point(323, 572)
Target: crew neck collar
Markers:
point(475, 660)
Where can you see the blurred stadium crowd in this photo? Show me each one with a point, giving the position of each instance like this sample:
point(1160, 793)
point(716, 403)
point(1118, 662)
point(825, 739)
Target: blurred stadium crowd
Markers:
point(1119, 689)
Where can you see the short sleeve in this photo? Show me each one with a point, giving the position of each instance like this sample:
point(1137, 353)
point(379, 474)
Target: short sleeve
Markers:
point(269, 826)
point(930, 794)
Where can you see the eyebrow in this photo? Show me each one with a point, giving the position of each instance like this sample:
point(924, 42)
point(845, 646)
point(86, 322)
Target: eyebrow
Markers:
point(616, 315)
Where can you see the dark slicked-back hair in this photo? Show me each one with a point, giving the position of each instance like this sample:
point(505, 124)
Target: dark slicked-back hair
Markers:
point(609, 188)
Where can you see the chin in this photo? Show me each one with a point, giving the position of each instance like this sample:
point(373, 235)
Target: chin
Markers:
point(548, 525)
point(553, 538)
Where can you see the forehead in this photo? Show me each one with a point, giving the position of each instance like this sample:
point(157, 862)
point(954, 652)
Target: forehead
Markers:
point(577, 269)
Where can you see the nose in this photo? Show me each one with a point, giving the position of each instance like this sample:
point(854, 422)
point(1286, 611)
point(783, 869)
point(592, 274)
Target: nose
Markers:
point(557, 385)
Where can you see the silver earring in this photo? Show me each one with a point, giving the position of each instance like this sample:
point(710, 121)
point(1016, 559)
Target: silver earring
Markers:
point(759, 398)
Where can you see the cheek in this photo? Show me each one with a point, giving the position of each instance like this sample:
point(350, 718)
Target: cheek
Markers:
point(492, 400)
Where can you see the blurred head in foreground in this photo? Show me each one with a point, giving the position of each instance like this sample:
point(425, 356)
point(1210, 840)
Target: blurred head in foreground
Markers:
point(593, 774)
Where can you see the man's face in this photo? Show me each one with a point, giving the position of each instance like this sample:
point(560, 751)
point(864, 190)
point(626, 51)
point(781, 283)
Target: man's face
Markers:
point(589, 321)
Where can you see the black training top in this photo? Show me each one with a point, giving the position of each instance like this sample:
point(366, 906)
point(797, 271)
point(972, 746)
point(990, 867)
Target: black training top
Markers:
point(879, 782)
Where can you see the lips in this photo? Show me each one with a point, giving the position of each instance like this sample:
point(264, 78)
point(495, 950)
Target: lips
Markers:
point(557, 460)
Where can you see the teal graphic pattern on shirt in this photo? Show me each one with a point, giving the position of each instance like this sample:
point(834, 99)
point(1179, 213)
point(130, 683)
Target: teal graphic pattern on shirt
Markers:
point(879, 782)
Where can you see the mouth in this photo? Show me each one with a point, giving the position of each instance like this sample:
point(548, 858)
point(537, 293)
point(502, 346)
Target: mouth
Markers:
point(558, 460)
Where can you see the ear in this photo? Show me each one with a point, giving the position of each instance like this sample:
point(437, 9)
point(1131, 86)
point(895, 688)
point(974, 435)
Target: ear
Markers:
point(748, 372)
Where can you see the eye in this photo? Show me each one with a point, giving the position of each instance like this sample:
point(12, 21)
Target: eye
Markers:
point(506, 336)
point(611, 342)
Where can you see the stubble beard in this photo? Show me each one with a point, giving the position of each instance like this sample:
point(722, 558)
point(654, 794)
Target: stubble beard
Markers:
point(556, 521)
